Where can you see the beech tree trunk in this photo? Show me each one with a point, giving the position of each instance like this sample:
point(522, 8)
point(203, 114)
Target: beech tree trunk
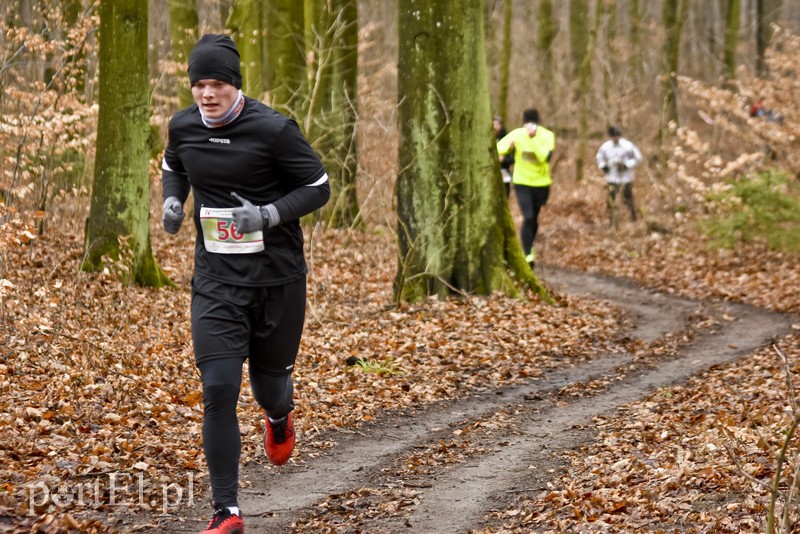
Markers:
point(767, 12)
point(731, 38)
point(286, 57)
point(118, 228)
point(585, 94)
point(246, 23)
point(578, 32)
point(332, 33)
point(547, 29)
point(183, 36)
point(674, 15)
point(505, 60)
point(637, 54)
point(455, 231)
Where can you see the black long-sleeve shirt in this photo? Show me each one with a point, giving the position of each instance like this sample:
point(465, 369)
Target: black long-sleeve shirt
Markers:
point(262, 156)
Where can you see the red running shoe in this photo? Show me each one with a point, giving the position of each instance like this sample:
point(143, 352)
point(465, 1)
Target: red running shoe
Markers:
point(224, 522)
point(279, 439)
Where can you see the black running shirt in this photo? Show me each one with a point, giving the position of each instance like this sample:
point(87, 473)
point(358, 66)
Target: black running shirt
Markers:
point(262, 156)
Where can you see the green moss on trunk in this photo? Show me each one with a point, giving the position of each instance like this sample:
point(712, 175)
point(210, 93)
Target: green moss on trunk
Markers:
point(121, 189)
point(455, 232)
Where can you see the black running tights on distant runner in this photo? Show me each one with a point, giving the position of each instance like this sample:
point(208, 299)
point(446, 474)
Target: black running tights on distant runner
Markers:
point(627, 196)
point(531, 200)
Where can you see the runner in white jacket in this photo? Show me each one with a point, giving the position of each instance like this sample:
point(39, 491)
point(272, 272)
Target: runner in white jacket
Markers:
point(617, 158)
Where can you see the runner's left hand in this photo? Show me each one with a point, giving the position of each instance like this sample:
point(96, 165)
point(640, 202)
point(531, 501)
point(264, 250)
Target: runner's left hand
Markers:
point(248, 218)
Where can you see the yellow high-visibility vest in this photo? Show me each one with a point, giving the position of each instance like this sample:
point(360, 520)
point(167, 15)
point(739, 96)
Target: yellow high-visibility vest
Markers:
point(531, 154)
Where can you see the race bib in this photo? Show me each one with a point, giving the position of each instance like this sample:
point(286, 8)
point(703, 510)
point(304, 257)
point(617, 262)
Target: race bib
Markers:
point(221, 236)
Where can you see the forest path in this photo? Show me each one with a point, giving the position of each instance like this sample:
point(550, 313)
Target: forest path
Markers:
point(511, 440)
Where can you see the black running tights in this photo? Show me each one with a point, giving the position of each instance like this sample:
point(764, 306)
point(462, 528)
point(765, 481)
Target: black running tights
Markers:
point(530, 200)
point(222, 442)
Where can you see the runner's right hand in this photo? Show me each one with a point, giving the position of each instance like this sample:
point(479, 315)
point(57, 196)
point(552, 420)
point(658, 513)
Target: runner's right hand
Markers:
point(172, 216)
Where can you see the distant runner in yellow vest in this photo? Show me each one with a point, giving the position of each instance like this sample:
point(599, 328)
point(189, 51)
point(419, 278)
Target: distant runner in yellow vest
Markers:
point(532, 147)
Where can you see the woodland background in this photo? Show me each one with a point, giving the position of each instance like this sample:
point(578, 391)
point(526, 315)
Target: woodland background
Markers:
point(96, 373)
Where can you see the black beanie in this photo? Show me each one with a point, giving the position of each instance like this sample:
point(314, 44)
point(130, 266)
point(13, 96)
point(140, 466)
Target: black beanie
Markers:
point(215, 57)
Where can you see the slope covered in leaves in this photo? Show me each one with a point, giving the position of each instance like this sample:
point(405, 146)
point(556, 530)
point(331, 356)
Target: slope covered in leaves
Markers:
point(673, 257)
point(695, 458)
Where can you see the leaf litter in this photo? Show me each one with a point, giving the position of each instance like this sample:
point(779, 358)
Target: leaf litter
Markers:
point(98, 382)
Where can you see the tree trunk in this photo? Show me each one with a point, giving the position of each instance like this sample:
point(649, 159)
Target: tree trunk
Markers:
point(674, 14)
point(332, 32)
point(183, 36)
point(612, 52)
point(455, 231)
point(505, 61)
point(732, 22)
point(578, 32)
point(767, 12)
point(245, 21)
point(344, 209)
point(319, 31)
point(637, 54)
point(585, 93)
point(118, 226)
point(286, 57)
point(319, 75)
point(547, 29)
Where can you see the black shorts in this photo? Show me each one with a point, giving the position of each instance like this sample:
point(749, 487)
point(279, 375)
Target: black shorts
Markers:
point(262, 323)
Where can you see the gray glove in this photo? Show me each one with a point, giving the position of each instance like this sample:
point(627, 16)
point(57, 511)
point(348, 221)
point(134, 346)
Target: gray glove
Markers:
point(172, 216)
point(249, 218)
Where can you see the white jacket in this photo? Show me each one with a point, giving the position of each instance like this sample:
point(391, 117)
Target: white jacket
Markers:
point(620, 159)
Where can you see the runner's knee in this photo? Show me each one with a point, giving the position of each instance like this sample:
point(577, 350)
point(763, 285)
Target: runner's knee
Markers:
point(220, 400)
point(273, 392)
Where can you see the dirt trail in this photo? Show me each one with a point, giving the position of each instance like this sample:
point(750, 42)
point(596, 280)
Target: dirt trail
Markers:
point(540, 425)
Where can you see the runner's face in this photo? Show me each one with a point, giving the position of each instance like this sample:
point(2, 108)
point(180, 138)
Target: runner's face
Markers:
point(214, 97)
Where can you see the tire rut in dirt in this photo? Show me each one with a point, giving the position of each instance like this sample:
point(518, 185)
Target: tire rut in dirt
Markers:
point(468, 492)
point(359, 458)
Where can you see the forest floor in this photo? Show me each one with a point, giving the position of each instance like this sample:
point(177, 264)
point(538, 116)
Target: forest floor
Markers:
point(653, 396)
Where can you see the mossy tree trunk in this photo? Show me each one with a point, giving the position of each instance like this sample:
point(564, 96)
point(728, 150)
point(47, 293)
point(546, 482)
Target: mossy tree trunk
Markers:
point(332, 34)
point(547, 29)
point(584, 93)
point(118, 226)
point(344, 210)
point(182, 37)
point(505, 60)
point(578, 32)
point(674, 15)
point(636, 61)
point(246, 23)
point(611, 68)
point(319, 65)
point(455, 231)
point(732, 23)
point(286, 57)
point(767, 12)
